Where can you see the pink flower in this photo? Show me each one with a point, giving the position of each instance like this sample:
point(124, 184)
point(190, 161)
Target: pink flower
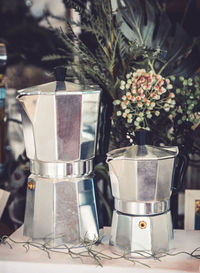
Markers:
point(128, 95)
point(138, 98)
point(144, 99)
point(163, 89)
point(140, 91)
point(160, 91)
point(160, 83)
point(124, 97)
point(133, 99)
point(158, 77)
point(140, 104)
point(142, 79)
point(152, 95)
point(147, 102)
point(142, 96)
point(171, 95)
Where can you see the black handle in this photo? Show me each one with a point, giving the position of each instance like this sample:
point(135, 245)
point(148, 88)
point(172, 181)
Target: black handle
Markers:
point(60, 73)
point(180, 170)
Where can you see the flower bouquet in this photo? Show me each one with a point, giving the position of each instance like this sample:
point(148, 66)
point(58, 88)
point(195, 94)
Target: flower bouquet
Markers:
point(147, 99)
point(145, 96)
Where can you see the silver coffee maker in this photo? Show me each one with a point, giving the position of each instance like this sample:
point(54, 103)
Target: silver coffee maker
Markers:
point(60, 131)
point(141, 178)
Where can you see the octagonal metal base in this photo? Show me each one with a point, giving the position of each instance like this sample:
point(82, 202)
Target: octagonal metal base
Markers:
point(60, 210)
point(147, 233)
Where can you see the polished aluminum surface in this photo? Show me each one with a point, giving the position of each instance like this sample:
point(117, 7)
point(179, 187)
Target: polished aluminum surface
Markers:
point(60, 169)
point(60, 131)
point(69, 217)
point(146, 233)
point(62, 125)
point(143, 152)
point(147, 180)
point(141, 208)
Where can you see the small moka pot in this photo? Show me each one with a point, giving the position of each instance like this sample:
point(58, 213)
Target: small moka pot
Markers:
point(141, 178)
point(60, 131)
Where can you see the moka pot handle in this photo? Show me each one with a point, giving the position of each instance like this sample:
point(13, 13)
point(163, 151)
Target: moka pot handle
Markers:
point(180, 171)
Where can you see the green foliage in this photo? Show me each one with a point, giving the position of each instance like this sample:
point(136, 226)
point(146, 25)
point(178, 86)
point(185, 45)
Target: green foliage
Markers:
point(152, 29)
point(116, 42)
point(112, 56)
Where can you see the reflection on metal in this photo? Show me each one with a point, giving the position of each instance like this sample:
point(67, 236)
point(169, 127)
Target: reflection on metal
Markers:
point(127, 234)
point(141, 178)
point(142, 173)
point(62, 169)
point(60, 130)
point(141, 208)
point(61, 210)
point(59, 126)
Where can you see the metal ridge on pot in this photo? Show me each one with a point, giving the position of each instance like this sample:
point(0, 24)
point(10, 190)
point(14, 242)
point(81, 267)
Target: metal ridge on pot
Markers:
point(143, 152)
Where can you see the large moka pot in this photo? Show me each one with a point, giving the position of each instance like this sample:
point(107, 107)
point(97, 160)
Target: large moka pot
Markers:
point(60, 131)
point(141, 179)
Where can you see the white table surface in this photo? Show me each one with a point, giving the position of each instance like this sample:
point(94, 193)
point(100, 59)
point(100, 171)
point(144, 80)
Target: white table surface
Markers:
point(17, 260)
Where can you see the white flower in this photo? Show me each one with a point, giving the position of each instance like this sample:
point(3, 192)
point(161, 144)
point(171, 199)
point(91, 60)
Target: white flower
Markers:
point(167, 81)
point(128, 86)
point(141, 114)
point(169, 100)
point(136, 123)
point(133, 90)
point(166, 107)
point(169, 86)
point(157, 113)
point(127, 111)
point(134, 74)
point(129, 116)
point(157, 97)
point(119, 113)
point(128, 75)
point(122, 85)
point(149, 116)
point(123, 105)
point(124, 115)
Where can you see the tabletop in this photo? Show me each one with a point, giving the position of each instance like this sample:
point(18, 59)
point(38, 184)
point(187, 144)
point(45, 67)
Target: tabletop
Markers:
point(17, 257)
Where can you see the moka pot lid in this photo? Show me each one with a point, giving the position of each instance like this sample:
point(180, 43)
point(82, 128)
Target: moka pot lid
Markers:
point(143, 152)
